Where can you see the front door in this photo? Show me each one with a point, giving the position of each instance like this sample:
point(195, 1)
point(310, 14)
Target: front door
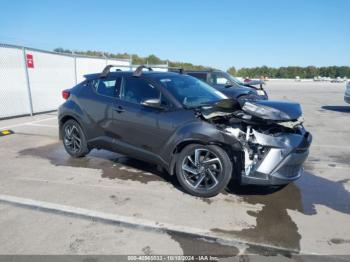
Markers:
point(140, 130)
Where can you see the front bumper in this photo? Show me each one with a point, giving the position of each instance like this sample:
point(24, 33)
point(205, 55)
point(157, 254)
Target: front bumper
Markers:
point(284, 161)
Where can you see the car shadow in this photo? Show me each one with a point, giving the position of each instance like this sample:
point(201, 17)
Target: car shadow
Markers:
point(149, 172)
point(113, 165)
point(341, 109)
point(235, 188)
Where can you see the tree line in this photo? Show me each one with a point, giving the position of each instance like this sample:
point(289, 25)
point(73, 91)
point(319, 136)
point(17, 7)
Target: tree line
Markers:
point(253, 72)
point(136, 60)
point(291, 72)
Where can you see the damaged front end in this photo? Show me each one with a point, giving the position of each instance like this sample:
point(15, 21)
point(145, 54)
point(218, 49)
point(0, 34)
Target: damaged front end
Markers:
point(274, 142)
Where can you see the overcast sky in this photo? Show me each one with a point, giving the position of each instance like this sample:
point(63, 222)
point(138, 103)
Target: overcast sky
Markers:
point(220, 33)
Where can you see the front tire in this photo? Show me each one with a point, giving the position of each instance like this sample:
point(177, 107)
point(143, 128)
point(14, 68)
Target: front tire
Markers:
point(203, 170)
point(74, 139)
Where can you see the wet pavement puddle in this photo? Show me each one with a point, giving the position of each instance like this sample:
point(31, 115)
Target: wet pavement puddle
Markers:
point(113, 165)
point(274, 225)
point(199, 246)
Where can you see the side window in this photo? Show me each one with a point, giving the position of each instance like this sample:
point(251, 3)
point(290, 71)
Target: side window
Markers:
point(200, 76)
point(107, 87)
point(218, 79)
point(135, 90)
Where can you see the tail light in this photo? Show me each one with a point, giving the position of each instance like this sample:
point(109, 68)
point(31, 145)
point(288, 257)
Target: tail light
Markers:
point(65, 94)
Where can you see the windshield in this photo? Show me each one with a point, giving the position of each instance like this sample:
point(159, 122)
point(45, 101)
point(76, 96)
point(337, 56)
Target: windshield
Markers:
point(190, 91)
point(234, 79)
point(223, 78)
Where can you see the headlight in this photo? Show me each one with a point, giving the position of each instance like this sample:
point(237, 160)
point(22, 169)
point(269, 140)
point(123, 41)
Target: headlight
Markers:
point(292, 124)
point(264, 111)
point(260, 92)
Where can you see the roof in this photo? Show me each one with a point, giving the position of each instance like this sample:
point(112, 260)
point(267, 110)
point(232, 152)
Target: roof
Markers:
point(202, 71)
point(129, 73)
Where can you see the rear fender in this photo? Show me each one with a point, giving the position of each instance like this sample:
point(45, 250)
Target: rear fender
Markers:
point(71, 110)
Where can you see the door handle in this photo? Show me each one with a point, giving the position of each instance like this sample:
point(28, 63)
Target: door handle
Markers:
point(119, 109)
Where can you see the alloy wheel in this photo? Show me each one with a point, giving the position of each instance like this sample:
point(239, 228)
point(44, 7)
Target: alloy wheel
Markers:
point(202, 169)
point(72, 138)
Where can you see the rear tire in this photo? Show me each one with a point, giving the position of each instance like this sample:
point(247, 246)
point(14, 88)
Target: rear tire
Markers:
point(74, 139)
point(203, 170)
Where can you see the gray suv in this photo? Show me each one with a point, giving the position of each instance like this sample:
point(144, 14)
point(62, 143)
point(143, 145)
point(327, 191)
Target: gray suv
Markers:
point(230, 85)
point(186, 127)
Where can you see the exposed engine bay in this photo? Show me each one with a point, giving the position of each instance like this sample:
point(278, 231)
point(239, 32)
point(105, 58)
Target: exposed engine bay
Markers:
point(273, 139)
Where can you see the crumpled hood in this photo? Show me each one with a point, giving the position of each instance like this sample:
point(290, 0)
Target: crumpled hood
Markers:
point(273, 110)
point(264, 109)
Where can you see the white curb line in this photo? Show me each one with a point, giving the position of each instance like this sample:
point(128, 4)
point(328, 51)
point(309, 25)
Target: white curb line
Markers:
point(28, 123)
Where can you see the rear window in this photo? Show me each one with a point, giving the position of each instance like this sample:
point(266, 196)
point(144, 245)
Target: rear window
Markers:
point(107, 87)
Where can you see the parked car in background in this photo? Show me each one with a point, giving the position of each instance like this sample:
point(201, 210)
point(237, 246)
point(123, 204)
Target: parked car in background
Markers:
point(347, 93)
point(253, 82)
point(322, 79)
point(339, 80)
point(187, 127)
point(230, 85)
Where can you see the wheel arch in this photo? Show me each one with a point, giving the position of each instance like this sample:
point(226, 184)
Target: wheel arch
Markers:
point(64, 119)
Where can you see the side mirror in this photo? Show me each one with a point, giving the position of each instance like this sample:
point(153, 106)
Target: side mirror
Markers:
point(153, 103)
point(229, 84)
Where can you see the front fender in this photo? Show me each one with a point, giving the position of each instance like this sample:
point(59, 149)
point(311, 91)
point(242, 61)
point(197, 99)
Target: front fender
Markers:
point(198, 132)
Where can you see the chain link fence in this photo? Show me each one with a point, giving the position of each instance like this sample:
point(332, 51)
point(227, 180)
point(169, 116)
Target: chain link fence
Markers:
point(31, 80)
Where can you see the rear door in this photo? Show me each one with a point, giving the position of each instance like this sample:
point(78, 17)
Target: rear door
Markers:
point(99, 102)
